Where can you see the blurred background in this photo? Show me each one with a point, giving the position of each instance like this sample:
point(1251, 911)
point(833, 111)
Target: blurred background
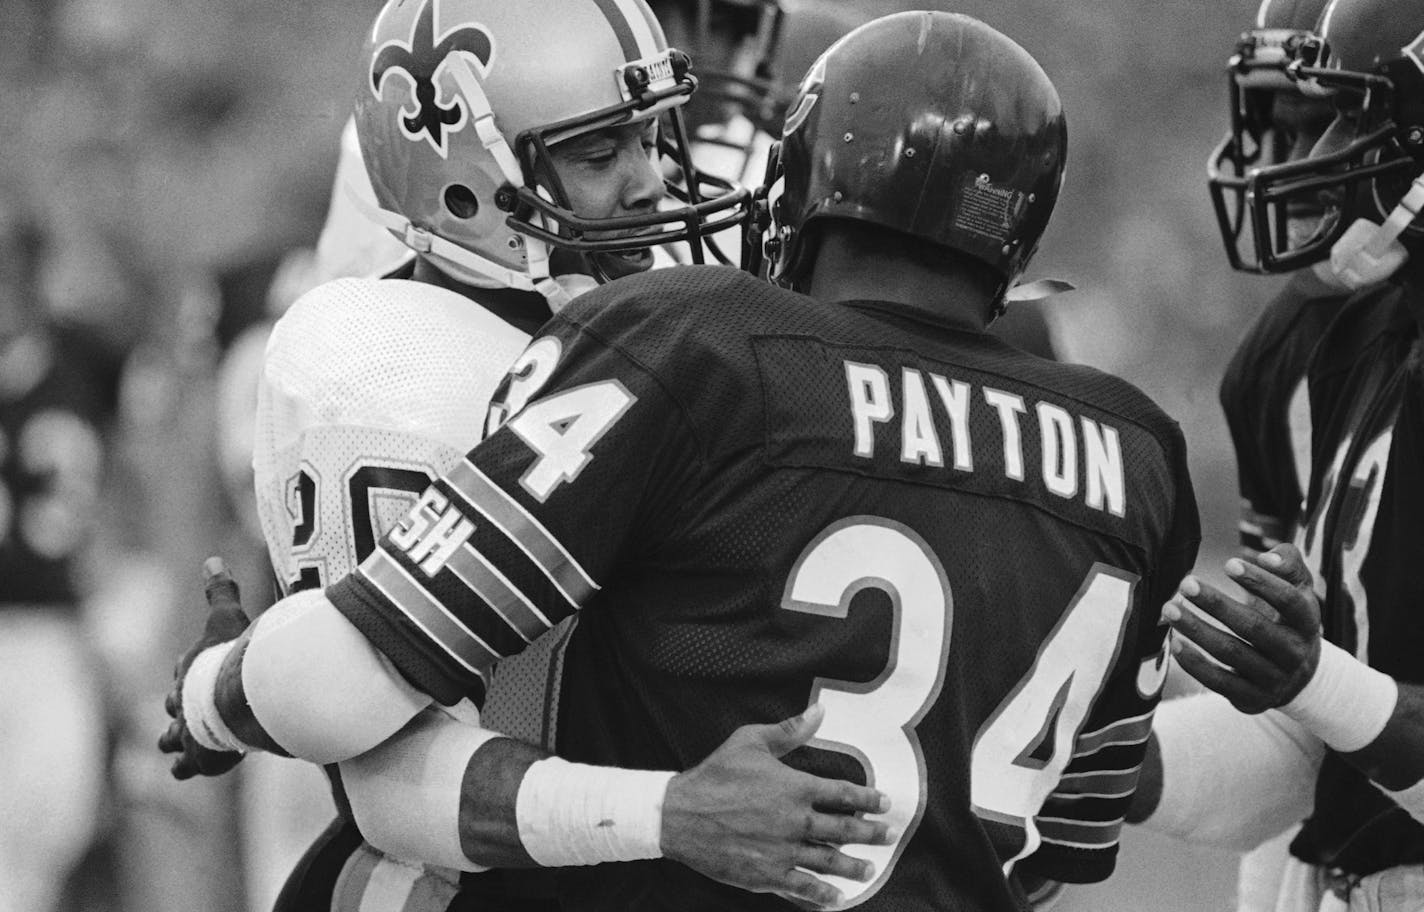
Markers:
point(177, 153)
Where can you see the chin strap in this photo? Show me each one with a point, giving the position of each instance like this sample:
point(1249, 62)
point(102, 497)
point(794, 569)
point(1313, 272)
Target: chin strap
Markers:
point(1368, 253)
point(471, 267)
point(1037, 290)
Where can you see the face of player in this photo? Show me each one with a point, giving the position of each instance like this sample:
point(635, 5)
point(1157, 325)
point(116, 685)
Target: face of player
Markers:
point(1300, 121)
point(609, 173)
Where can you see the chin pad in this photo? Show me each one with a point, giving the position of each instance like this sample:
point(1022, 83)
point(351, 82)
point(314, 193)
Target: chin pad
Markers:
point(1359, 259)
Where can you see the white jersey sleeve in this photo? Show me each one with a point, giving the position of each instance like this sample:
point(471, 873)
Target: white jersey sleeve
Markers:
point(370, 388)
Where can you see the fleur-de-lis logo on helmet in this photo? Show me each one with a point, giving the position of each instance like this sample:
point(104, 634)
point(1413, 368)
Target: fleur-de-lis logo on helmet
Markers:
point(421, 60)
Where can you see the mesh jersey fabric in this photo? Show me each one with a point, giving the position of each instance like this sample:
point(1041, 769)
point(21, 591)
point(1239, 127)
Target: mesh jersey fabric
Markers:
point(681, 477)
point(1362, 542)
point(363, 373)
point(369, 388)
point(1263, 396)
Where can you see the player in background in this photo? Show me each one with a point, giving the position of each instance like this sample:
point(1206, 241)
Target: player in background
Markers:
point(762, 499)
point(1328, 631)
point(515, 181)
point(1273, 120)
point(52, 724)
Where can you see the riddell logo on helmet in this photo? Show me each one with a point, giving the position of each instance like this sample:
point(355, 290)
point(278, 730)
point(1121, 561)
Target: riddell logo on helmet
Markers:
point(809, 92)
point(421, 60)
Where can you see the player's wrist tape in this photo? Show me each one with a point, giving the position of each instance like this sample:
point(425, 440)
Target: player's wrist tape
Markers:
point(575, 814)
point(200, 708)
point(1346, 702)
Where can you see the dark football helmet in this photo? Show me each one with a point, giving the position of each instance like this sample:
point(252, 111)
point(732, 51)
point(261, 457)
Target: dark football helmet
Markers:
point(461, 101)
point(1368, 57)
point(1272, 121)
point(927, 123)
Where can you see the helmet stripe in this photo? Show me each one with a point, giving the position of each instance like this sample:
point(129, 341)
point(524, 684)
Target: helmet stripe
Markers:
point(1325, 18)
point(1262, 13)
point(635, 37)
point(655, 28)
point(637, 13)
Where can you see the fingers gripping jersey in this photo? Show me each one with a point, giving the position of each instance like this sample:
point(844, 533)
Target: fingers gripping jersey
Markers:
point(960, 550)
point(1263, 395)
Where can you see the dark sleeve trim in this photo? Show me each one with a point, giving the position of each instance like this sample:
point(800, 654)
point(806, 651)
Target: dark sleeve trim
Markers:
point(1071, 866)
point(407, 648)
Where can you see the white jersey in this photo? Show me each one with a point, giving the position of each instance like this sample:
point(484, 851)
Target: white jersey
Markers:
point(370, 388)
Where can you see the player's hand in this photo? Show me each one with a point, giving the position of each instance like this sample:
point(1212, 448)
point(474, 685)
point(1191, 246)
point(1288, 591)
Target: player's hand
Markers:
point(746, 819)
point(1273, 644)
point(226, 621)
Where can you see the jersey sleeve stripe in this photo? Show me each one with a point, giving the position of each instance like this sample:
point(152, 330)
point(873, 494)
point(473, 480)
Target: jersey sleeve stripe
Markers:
point(1106, 781)
point(502, 596)
point(1125, 731)
point(1080, 796)
point(1079, 834)
point(526, 532)
point(425, 612)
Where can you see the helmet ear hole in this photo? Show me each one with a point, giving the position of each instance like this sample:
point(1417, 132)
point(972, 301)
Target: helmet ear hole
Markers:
point(461, 201)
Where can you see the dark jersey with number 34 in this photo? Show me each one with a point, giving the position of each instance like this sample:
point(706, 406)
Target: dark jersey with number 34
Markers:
point(755, 501)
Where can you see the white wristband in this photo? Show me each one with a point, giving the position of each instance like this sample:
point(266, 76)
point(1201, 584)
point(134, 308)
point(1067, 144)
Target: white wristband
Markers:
point(1346, 702)
point(575, 814)
point(200, 708)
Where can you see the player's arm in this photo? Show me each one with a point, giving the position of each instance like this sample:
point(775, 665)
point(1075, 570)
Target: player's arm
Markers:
point(1277, 658)
point(444, 792)
point(450, 793)
point(1214, 776)
point(589, 467)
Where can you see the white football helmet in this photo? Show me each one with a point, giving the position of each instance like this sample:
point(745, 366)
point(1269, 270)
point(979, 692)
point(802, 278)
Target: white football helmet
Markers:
point(461, 101)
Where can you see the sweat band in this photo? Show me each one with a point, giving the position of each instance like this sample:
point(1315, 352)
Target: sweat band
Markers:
point(200, 708)
point(1346, 702)
point(576, 814)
